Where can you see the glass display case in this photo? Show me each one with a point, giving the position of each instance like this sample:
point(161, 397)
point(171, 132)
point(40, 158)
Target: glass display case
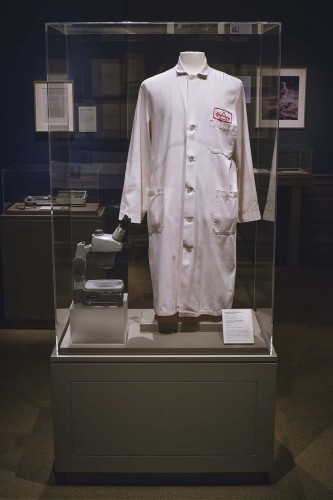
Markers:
point(26, 245)
point(294, 171)
point(295, 160)
point(134, 132)
point(20, 181)
point(106, 64)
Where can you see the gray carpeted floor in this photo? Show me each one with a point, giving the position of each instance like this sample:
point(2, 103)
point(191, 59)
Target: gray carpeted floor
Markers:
point(303, 466)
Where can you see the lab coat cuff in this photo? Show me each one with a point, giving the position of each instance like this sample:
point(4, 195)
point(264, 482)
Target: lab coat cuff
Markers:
point(250, 216)
point(135, 218)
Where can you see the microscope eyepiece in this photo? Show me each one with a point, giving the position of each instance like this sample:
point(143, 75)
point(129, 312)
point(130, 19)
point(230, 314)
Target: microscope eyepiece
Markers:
point(124, 223)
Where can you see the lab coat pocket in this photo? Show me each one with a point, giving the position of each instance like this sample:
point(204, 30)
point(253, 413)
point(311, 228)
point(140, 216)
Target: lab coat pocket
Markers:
point(155, 210)
point(225, 135)
point(225, 216)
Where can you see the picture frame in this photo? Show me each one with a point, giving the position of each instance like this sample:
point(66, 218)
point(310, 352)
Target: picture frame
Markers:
point(107, 77)
point(290, 104)
point(54, 106)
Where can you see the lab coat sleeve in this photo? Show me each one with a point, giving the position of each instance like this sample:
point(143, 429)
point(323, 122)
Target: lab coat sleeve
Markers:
point(248, 209)
point(269, 211)
point(138, 168)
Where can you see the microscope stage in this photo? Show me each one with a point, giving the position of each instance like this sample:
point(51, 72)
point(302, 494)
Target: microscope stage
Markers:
point(108, 285)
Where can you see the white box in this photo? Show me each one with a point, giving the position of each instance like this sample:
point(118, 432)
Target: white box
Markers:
point(98, 324)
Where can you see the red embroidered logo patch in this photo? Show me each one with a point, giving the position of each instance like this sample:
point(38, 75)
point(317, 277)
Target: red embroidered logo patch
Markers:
point(222, 115)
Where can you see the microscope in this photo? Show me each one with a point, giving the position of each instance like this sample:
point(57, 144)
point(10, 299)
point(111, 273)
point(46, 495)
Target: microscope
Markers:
point(98, 313)
point(103, 249)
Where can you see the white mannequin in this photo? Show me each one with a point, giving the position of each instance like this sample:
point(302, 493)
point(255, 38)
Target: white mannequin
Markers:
point(192, 62)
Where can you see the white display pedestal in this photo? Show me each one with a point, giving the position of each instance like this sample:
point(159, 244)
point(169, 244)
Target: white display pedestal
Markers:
point(98, 324)
point(151, 413)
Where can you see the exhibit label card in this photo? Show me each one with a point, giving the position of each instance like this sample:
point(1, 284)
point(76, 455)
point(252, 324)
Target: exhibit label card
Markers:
point(87, 119)
point(237, 326)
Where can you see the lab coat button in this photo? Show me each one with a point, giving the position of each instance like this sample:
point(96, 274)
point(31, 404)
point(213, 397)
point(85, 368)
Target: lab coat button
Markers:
point(191, 159)
point(189, 190)
point(189, 219)
point(192, 127)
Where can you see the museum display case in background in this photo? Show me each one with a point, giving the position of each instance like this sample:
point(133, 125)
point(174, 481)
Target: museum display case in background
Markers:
point(26, 246)
point(27, 250)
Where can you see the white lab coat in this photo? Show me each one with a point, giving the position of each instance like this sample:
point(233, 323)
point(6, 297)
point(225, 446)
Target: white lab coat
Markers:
point(190, 168)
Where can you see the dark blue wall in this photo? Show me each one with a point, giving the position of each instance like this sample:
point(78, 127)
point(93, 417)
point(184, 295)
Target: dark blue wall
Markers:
point(24, 51)
point(23, 61)
point(305, 43)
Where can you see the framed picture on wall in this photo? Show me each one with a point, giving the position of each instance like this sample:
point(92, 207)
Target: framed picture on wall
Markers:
point(281, 95)
point(107, 77)
point(54, 109)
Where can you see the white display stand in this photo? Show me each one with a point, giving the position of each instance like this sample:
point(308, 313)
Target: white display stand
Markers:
point(163, 414)
point(98, 324)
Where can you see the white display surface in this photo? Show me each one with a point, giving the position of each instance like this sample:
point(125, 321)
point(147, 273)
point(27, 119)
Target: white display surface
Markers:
point(143, 334)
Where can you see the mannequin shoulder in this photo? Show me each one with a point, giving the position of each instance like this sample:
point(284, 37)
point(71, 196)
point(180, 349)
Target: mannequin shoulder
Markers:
point(160, 79)
point(230, 80)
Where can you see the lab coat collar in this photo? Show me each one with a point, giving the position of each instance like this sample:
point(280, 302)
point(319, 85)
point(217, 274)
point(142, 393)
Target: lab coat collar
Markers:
point(203, 73)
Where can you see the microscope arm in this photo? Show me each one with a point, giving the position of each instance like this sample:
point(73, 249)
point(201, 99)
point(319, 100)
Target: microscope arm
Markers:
point(79, 268)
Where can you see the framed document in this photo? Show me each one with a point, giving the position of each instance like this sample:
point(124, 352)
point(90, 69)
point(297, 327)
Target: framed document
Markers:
point(54, 109)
